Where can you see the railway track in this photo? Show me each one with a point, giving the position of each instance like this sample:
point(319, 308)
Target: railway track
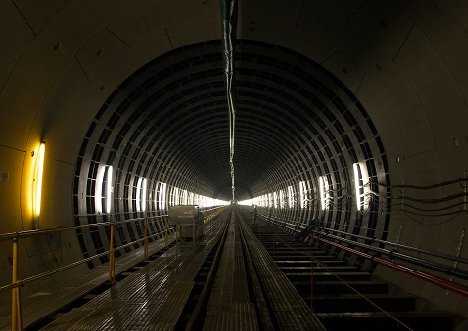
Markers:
point(344, 298)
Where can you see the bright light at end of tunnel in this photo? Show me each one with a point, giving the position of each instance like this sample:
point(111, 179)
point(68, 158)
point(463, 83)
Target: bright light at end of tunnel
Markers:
point(37, 181)
point(218, 202)
point(246, 202)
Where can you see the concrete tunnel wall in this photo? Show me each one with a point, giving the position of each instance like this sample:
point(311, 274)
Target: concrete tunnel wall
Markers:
point(60, 61)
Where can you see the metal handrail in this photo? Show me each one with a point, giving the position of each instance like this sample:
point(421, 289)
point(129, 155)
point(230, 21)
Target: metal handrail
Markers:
point(47, 273)
point(74, 264)
point(406, 247)
point(29, 233)
point(16, 306)
point(15, 236)
point(394, 255)
point(448, 285)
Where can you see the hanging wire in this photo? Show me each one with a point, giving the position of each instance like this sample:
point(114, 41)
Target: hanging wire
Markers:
point(228, 9)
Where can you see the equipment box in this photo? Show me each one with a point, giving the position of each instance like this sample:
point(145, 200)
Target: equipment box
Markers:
point(187, 220)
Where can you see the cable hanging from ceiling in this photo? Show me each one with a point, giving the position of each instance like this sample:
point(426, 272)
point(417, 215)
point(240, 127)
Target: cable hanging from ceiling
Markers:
point(228, 9)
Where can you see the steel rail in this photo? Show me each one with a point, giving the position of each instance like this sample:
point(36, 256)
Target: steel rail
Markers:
point(199, 311)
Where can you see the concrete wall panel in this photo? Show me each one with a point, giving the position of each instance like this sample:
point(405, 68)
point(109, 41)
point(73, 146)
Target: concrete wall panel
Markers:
point(11, 165)
point(13, 44)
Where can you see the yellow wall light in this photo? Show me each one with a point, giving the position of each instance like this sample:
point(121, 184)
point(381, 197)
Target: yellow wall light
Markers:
point(37, 180)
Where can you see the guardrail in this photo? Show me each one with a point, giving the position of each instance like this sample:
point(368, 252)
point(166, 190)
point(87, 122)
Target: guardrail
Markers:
point(323, 235)
point(16, 236)
point(453, 287)
point(16, 283)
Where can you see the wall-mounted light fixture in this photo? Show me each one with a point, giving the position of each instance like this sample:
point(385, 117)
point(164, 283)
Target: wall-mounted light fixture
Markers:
point(161, 196)
point(358, 186)
point(109, 174)
point(323, 185)
point(144, 187)
point(290, 196)
point(361, 186)
point(98, 190)
point(302, 194)
point(138, 194)
point(37, 182)
point(103, 190)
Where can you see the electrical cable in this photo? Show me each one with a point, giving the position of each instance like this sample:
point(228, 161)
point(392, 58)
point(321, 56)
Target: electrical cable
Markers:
point(418, 187)
point(228, 9)
point(432, 224)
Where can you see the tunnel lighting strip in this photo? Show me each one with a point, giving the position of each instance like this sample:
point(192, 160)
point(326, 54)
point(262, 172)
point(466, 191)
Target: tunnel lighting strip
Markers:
point(323, 183)
point(361, 186)
point(138, 194)
point(98, 190)
point(144, 188)
point(302, 194)
point(162, 196)
point(358, 185)
point(38, 172)
point(175, 196)
point(109, 175)
point(290, 196)
point(103, 190)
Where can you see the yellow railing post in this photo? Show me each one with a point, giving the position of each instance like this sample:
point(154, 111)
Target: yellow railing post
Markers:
point(166, 235)
point(15, 297)
point(146, 254)
point(311, 281)
point(112, 254)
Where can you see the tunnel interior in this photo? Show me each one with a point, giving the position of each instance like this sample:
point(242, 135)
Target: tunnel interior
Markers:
point(351, 114)
point(297, 128)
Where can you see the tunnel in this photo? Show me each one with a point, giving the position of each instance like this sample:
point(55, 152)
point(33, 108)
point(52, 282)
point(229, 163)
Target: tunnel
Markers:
point(349, 114)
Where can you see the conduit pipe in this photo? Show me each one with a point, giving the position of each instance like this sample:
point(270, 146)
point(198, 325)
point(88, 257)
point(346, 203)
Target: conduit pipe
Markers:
point(228, 9)
point(461, 290)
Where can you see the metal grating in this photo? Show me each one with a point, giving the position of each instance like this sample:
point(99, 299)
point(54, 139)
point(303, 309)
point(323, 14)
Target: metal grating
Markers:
point(152, 298)
point(290, 310)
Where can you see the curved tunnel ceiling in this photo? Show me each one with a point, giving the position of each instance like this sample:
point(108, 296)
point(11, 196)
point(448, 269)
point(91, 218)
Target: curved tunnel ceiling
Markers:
point(168, 122)
point(291, 111)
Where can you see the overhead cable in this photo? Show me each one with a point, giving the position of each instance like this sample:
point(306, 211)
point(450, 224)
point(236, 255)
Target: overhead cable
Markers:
point(228, 9)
